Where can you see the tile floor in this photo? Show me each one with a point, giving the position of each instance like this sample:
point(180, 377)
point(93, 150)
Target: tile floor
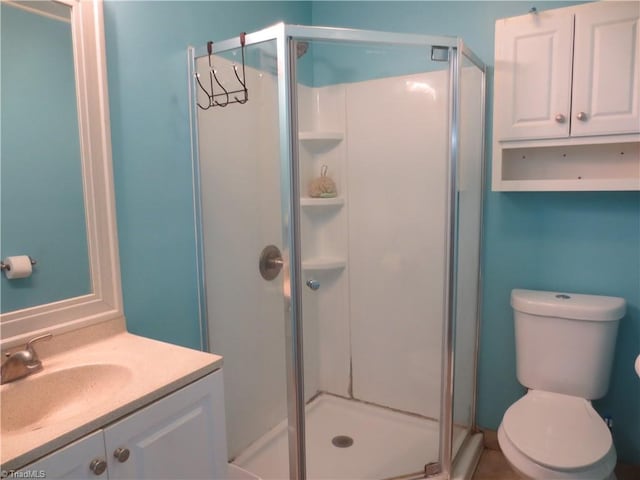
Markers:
point(493, 466)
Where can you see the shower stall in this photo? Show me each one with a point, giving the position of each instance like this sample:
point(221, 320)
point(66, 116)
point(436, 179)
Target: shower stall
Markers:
point(338, 180)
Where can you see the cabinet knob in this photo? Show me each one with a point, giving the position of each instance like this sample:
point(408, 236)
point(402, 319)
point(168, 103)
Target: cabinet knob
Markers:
point(98, 466)
point(582, 117)
point(122, 454)
point(560, 118)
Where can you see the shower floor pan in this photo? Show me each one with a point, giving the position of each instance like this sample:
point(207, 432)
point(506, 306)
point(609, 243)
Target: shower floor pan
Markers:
point(386, 443)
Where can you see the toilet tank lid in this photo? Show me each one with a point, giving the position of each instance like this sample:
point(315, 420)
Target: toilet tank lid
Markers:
point(568, 305)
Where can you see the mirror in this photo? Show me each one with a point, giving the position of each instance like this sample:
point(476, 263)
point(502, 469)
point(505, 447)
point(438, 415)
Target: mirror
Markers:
point(56, 184)
point(42, 204)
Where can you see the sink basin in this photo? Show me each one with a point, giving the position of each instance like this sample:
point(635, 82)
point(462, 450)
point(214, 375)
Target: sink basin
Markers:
point(51, 397)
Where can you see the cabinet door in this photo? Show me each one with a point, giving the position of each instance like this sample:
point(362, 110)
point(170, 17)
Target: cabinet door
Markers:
point(70, 462)
point(180, 436)
point(533, 76)
point(606, 69)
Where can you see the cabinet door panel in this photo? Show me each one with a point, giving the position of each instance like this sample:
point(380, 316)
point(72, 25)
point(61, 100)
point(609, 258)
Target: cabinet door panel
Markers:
point(70, 462)
point(180, 436)
point(533, 76)
point(606, 69)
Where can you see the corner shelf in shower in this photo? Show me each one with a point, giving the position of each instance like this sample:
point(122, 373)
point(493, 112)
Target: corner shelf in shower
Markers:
point(320, 203)
point(320, 139)
point(324, 263)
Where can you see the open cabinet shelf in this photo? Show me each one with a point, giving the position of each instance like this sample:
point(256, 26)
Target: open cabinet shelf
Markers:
point(568, 165)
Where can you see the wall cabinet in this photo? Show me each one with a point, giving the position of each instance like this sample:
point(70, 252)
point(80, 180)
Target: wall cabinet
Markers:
point(179, 436)
point(606, 68)
point(553, 81)
point(533, 76)
point(565, 79)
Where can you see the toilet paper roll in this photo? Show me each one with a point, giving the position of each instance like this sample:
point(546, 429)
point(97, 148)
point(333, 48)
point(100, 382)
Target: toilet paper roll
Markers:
point(19, 266)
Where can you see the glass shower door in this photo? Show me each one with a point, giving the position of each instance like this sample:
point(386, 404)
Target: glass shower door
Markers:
point(239, 163)
point(470, 184)
point(373, 156)
point(356, 196)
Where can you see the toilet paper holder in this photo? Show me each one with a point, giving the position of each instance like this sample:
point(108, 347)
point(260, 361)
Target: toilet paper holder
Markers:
point(4, 266)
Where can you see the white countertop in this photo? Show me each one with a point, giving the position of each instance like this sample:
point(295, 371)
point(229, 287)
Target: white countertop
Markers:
point(155, 369)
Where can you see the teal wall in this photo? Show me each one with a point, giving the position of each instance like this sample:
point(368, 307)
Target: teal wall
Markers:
point(576, 242)
point(346, 63)
point(41, 184)
point(146, 60)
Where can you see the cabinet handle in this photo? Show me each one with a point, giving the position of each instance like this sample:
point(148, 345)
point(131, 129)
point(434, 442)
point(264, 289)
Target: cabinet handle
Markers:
point(582, 117)
point(98, 466)
point(122, 454)
point(560, 118)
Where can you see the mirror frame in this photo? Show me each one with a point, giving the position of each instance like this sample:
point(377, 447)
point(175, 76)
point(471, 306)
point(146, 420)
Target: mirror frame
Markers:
point(105, 301)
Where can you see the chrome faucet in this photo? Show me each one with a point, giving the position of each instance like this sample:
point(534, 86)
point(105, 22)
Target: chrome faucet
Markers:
point(23, 362)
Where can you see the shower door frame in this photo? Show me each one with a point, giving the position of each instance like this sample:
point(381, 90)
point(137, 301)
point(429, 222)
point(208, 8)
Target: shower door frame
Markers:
point(286, 37)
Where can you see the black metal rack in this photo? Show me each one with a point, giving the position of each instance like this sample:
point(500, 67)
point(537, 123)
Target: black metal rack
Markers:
point(211, 95)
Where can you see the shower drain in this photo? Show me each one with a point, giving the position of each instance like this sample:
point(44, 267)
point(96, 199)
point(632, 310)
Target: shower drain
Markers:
point(342, 441)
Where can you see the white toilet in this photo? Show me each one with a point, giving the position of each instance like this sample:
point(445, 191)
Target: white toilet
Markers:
point(564, 352)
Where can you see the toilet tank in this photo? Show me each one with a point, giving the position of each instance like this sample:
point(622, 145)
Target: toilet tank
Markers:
point(565, 342)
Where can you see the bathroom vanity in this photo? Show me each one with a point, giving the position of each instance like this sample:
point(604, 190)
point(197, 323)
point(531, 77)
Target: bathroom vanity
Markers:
point(178, 436)
point(105, 403)
point(119, 407)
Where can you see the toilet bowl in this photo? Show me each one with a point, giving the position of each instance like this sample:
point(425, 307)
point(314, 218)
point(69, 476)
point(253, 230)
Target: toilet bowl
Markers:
point(564, 351)
point(546, 435)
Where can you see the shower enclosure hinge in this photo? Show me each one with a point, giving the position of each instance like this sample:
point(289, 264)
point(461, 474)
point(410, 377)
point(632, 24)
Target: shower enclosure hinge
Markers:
point(439, 54)
point(432, 469)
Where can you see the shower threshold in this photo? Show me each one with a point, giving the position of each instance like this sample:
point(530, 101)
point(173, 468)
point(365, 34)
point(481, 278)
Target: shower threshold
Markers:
point(347, 439)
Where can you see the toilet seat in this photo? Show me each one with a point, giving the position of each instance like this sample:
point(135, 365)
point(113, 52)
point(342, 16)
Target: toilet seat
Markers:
point(527, 468)
point(557, 431)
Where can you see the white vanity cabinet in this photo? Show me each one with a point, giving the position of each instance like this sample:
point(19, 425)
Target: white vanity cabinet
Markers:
point(71, 462)
point(565, 80)
point(179, 436)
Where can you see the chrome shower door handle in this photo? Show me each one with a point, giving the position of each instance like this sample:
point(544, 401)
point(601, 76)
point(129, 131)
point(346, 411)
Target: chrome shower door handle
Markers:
point(270, 262)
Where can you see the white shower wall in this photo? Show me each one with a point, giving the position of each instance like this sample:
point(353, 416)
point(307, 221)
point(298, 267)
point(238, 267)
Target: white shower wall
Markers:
point(397, 142)
point(325, 235)
point(379, 321)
